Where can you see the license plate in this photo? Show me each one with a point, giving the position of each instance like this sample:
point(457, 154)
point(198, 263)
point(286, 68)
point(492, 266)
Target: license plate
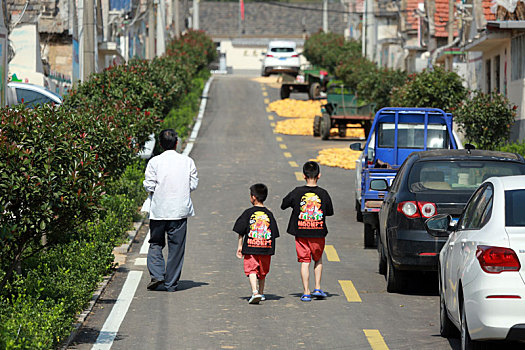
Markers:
point(282, 58)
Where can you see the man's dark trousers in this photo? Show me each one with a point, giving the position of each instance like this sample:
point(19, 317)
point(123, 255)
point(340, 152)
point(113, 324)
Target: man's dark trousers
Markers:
point(171, 271)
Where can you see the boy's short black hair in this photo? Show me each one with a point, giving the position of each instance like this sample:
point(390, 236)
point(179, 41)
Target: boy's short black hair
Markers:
point(311, 170)
point(259, 191)
point(168, 139)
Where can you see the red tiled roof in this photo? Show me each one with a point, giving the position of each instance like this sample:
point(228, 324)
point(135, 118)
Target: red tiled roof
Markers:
point(411, 18)
point(441, 19)
point(489, 16)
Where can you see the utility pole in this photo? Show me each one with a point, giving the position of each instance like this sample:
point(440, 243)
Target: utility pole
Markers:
point(177, 18)
point(325, 16)
point(88, 19)
point(196, 14)
point(161, 28)
point(3, 56)
point(151, 31)
point(450, 27)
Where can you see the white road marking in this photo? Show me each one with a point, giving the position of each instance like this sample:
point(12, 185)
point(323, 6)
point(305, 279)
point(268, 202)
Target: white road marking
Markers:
point(197, 126)
point(145, 245)
point(111, 326)
point(141, 261)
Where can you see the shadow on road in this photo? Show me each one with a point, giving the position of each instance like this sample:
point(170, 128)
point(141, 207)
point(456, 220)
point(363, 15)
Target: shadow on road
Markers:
point(186, 284)
point(268, 297)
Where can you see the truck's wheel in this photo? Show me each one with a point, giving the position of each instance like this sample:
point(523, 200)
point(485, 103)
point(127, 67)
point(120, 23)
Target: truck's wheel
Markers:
point(395, 279)
point(285, 91)
point(326, 125)
point(358, 212)
point(317, 126)
point(370, 236)
point(315, 91)
point(342, 130)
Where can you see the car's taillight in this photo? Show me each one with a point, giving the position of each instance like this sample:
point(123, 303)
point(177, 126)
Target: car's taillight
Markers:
point(413, 209)
point(295, 55)
point(427, 209)
point(497, 259)
point(408, 208)
point(269, 55)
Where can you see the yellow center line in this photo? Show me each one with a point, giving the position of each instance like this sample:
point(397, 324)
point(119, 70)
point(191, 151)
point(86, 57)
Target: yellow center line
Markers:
point(270, 117)
point(283, 146)
point(350, 292)
point(266, 100)
point(331, 253)
point(265, 93)
point(375, 339)
point(293, 164)
point(299, 176)
point(287, 154)
point(279, 138)
point(272, 125)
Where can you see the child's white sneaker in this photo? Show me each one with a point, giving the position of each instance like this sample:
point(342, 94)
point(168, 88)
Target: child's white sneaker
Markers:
point(255, 298)
point(263, 298)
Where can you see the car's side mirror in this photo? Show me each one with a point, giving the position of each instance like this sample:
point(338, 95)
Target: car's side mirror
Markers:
point(439, 224)
point(356, 146)
point(379, 185)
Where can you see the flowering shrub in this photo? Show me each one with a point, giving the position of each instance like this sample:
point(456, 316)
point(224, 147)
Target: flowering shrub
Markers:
point(436, 88)
point(485, 119)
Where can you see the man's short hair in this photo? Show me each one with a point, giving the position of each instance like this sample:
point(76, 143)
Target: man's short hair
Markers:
point(311, 170)
point(259, 191)
point(168, 139)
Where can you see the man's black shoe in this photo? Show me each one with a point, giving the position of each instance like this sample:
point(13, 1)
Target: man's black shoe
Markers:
point(154, 284)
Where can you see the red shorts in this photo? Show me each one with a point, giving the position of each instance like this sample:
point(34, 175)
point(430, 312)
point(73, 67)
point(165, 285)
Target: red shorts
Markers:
point(308, 248)
point(258, 264)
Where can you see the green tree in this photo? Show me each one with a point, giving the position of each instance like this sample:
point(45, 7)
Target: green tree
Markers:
point(328, 50)
point(436, 88)
point(486, 119)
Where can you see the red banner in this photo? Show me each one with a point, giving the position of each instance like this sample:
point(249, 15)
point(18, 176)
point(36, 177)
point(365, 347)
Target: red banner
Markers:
point(242, 9)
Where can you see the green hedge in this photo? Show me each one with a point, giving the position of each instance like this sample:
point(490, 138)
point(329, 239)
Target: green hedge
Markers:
point(71, 185)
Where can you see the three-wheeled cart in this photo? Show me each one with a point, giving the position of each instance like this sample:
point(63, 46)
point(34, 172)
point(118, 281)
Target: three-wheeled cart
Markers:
point(312, 81)
point(341, 109)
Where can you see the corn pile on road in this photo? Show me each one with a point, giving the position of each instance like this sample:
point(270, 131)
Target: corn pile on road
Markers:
point(290, 108)
point(338, 157)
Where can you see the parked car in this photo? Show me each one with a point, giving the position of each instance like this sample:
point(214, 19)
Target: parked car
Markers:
point(30, 95)
point(430, 183)
point(481, 275)
point(281, 57)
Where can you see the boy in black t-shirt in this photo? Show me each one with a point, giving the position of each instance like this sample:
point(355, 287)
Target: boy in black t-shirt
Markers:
point(310, 206)
point(257, 231)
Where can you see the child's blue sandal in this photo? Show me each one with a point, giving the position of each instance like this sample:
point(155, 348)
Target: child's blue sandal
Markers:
point(318, 293)
point(306, 297)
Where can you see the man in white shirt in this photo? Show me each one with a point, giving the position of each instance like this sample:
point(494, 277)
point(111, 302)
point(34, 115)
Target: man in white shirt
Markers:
point(169, 178)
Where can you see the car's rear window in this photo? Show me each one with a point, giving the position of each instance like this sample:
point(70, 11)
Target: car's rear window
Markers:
point(465, 175)
point(514, 209)
point(282, 49)
point(413, 136)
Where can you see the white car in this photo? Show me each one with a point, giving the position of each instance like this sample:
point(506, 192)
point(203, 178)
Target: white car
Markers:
point(481, 276)
point(281, 57)
point(30, 95)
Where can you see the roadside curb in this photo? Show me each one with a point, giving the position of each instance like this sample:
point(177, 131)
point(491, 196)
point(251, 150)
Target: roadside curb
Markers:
point(122, 249)
point(125, 247)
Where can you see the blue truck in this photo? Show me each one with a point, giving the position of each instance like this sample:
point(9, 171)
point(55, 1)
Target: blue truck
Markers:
point(395, 133)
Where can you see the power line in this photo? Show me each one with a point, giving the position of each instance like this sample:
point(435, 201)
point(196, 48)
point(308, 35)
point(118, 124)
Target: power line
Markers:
point(317, 9)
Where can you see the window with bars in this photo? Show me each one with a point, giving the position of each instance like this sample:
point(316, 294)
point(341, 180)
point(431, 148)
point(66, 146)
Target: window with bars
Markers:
point(517, 56)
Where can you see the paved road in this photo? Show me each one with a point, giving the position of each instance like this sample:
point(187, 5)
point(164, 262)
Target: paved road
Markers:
point(236, 148)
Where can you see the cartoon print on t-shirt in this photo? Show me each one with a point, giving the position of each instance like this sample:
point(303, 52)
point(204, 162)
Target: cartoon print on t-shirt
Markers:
point(260, 234)
point(311, 215)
